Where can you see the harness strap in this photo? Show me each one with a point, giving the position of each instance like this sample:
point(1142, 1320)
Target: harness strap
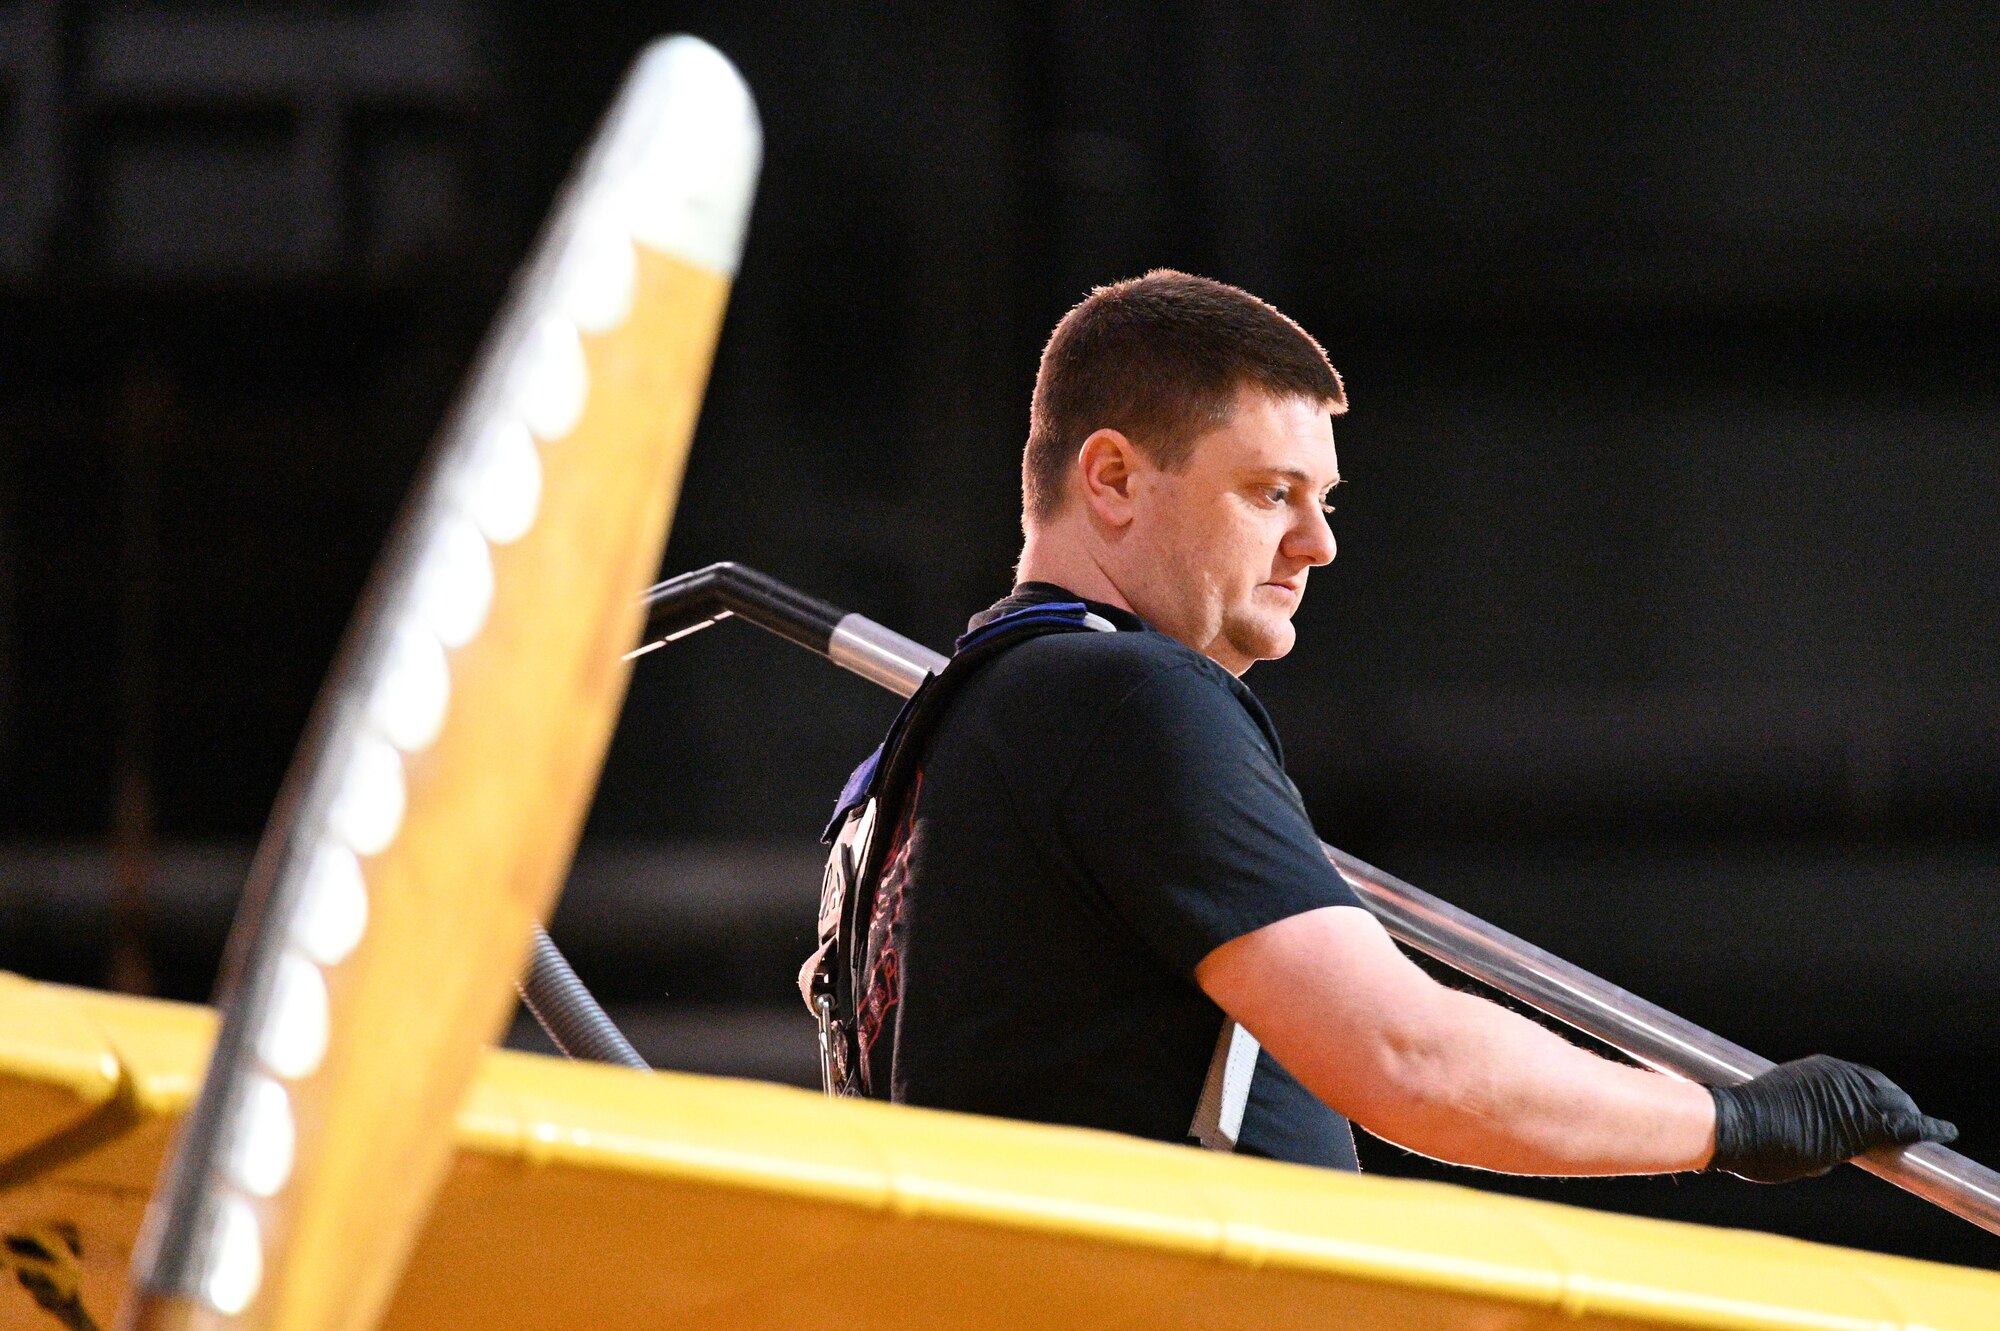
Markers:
point(1218, 1115)
point(829, 981)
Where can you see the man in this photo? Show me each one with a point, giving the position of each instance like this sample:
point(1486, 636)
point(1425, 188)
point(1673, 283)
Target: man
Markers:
point(1100, 864)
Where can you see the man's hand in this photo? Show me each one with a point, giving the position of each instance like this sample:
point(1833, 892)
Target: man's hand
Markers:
point(1804, 1117)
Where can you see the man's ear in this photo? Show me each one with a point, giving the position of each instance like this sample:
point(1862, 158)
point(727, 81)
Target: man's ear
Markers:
point(1107, 463)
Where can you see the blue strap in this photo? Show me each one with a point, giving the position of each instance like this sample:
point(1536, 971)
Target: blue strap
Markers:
point(1049, 612)
point(853, 793)
point(860, 784)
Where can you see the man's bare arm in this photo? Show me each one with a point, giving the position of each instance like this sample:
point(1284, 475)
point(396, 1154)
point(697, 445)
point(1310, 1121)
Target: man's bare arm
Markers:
point(1445, 1073)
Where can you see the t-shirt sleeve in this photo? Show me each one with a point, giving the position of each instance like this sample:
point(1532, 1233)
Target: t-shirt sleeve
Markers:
point(1179, 811)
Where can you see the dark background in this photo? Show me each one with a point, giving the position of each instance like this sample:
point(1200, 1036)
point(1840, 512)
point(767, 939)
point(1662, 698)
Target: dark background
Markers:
point(1663, 627)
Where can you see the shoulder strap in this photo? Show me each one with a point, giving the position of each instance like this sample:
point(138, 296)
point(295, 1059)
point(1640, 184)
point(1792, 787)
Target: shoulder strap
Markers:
point(921, 710)
point(864, 823)
point(896, 760)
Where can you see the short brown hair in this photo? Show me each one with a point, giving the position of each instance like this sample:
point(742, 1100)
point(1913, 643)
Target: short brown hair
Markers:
point(1159, 359)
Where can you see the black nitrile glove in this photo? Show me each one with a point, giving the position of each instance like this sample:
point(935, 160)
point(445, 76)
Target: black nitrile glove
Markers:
point(1802, 1118)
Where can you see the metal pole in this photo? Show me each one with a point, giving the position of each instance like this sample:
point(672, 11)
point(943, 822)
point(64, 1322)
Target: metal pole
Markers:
point(1645, 1031)
point(1572, 995)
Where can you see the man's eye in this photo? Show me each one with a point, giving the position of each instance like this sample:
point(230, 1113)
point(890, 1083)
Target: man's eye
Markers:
point(1278, 494)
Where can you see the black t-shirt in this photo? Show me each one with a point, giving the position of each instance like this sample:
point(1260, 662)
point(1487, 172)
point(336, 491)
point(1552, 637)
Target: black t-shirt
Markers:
point(1094, 814)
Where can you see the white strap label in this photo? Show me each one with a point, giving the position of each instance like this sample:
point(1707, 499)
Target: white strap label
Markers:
point(1218, 1115)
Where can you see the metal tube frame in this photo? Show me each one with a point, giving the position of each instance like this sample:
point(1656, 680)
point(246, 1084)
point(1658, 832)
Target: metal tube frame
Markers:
point(1570, 994)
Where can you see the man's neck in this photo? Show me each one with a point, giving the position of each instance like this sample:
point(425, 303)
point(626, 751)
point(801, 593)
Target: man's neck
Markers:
point(1070, 567)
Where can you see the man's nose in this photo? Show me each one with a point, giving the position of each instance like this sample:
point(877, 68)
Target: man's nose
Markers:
point(1313, 540)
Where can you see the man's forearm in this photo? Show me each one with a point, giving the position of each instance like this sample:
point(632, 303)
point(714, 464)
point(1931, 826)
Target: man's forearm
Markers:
point(1489, 1088)
point(1456, 1077)
point(1441, 1072)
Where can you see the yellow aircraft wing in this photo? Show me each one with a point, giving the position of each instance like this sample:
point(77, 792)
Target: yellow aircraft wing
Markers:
point(585, 1196)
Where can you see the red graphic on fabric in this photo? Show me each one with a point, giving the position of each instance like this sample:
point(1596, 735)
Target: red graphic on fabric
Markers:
point(883, 973)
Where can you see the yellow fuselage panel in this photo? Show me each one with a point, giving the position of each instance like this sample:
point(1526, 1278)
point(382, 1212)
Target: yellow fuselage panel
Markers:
point(586, 1196)
point(56, 1070)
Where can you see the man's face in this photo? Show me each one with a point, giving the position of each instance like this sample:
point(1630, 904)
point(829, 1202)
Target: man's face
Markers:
point(1219, 550)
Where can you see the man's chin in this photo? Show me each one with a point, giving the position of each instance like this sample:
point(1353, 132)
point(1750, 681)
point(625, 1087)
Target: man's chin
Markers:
point(1263, 639)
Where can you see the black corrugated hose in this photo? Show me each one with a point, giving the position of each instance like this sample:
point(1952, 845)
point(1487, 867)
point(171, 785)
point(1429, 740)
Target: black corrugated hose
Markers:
point(572, 1018)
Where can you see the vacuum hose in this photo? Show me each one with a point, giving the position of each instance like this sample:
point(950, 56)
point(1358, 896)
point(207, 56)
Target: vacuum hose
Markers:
point(572, 1018)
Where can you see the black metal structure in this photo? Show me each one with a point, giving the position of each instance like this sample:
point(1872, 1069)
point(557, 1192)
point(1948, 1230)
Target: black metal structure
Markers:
point(692, 601)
